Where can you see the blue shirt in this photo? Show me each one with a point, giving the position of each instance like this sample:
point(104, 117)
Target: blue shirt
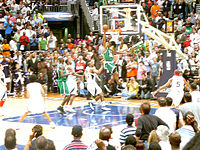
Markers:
point(8, 29)
point(33, 43)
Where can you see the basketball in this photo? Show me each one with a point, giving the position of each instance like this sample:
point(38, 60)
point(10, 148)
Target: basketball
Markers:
point(105, 27)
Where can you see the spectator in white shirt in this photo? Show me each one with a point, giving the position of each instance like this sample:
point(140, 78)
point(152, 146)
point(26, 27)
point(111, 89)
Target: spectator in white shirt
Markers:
point(52, 41)
point(195, 93)
point(16, 6)
point(25, 9)
point(13, 45)
point(164, 111)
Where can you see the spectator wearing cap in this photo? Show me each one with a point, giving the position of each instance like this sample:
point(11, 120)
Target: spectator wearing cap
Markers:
point(77, 132)
point(129, 130)
point(8, 25)
point(39, 15)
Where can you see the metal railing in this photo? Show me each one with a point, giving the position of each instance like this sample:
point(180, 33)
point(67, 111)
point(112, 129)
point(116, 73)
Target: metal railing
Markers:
point(54, 8)
point(87, 14)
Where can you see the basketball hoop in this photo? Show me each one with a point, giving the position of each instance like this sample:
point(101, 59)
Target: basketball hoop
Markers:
point(115, 33)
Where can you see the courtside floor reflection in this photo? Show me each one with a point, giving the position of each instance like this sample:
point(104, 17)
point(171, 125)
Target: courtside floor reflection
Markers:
point(85, 117)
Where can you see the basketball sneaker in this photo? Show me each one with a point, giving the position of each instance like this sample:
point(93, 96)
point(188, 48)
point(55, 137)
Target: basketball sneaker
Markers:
point(52, 125)
point(61, 110)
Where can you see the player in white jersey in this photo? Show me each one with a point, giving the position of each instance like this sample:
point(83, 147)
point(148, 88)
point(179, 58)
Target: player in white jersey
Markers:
point(91, 75)
point(72, 87)
point(3, 89)
point(177, 83)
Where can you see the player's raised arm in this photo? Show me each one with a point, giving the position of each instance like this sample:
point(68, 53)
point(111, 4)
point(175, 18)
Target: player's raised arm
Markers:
point(163, 87)
point(104, 41)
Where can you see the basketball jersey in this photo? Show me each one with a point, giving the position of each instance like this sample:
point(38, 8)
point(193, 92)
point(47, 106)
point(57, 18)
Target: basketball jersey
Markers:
point(90, 76)
point(70, 78)
point(61, 78)
point(108, 55)
point(2, 76)
point(177, 83)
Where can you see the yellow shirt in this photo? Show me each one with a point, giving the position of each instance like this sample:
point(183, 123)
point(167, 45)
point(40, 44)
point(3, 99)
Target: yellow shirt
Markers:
point(6, 46)
point(133, 88)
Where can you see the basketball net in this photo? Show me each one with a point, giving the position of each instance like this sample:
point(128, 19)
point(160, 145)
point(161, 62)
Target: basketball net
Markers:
point(115, 34)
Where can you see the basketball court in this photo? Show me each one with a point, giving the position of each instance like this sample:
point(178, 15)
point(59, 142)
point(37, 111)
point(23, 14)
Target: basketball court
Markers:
point(91, 121)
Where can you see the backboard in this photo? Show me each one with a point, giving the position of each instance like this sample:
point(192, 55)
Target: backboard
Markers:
point(120, 18)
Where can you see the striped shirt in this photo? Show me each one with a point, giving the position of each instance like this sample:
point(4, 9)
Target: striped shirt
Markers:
point(129, 130)
point(187, 133)
point(76, 145)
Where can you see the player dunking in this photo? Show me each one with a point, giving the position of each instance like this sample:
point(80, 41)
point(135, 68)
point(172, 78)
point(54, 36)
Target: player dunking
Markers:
point(177, 87)
point(109, 51)
point(91, 75)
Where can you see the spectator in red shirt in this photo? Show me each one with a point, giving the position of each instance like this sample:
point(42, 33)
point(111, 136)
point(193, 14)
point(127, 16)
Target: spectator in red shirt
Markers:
point(24, 41)
point(80, 65)
point(187, 42)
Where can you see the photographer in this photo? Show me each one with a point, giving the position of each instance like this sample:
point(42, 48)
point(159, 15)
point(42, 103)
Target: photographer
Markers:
point(146, 88)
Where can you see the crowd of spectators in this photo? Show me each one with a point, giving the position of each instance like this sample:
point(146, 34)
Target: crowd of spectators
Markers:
point(149, 132)
point(30, 47)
